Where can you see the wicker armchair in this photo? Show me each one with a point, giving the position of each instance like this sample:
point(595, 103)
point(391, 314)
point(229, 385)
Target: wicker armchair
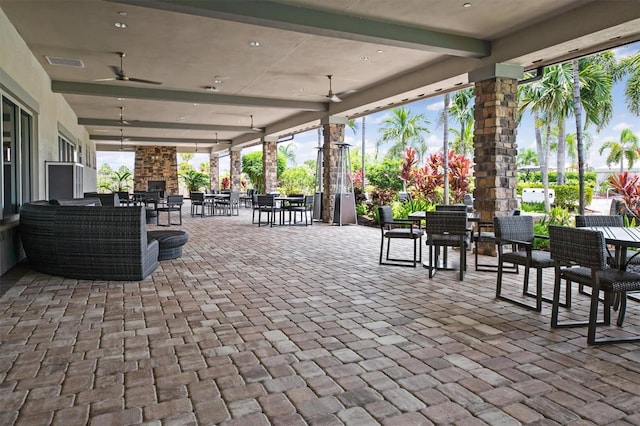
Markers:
point(516, 232)
point(405, 229)
point(580, 255)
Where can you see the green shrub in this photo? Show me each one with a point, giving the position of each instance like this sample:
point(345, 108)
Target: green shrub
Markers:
point(385, 176)
point(566, 196)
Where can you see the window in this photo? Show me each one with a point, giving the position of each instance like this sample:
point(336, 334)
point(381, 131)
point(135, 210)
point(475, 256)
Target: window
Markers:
point(17, 130)
point(66, 150)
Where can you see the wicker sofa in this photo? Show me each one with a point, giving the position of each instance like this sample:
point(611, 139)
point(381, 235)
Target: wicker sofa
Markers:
point(95, 243)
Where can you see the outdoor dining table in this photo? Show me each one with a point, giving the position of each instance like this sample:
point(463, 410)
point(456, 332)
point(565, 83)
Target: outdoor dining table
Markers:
point(210, 199)
point(621, 238)
point(285, 202)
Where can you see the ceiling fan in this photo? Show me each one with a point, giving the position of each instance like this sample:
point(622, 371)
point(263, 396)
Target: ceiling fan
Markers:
point(332, 96)
point(121, 76)
point(252, 127)
point(121, 120)
point(217, 141)
point(122, 138)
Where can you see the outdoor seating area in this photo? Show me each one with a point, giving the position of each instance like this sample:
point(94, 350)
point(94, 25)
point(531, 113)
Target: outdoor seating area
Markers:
point(234, 332)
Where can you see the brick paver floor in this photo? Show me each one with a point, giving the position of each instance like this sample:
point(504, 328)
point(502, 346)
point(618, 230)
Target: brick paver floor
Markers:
point(295, 326)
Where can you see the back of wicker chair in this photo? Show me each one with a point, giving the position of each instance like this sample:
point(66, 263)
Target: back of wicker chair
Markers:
point(447, 228)
point(583, 221)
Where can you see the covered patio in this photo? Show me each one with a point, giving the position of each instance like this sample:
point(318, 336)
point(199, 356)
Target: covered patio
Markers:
point(300, 325)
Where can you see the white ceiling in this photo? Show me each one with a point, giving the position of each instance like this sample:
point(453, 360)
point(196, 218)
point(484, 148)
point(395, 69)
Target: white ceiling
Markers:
point(380, 52)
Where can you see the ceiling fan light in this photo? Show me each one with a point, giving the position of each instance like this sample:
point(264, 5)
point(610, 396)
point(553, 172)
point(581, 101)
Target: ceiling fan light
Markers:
point(332, 96)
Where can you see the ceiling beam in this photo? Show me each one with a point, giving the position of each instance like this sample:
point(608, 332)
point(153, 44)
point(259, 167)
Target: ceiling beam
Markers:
point(83, 121)
point(281, 16)
point(130, 92)
point(158, 140)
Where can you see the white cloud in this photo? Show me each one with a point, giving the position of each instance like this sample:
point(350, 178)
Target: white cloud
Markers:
point(621, 126)
point(436, 106)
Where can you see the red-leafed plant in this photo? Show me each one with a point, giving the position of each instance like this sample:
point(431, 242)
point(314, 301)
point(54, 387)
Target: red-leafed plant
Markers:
point(627, 186)
point(225, 183)
point(430, 177)
point(406, 169)
point(459, 172)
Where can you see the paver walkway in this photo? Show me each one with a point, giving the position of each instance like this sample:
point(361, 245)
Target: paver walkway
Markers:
point(294, 326)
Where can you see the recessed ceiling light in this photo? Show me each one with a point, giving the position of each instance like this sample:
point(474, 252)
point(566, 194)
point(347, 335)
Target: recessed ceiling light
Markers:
point(217, 81)
point(254, 43)
point(121, 25)
point(466, 5)
point(380, 50)
point(121, 99)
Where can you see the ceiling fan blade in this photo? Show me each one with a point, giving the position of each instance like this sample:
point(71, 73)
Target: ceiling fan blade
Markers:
point(333, 97)
point(106, 79)
point(140, 80)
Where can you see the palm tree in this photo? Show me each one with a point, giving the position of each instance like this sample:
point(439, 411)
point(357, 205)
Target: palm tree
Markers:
point(461, 110)
point(527, 157)
point(288, 151)
point(626, 148)
point(402, 129)
point(592, 82)
point(572, 146)
point(530, 96)
point(445, 147)
point(631, 66)
point(557, 103)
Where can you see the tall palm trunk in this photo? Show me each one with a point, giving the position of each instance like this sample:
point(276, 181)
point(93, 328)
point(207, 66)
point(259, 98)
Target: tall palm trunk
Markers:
point(562, 153)
point(577, 112)
point(545, 173)
point(542, 157)
point(445, 147)
point(363, 157)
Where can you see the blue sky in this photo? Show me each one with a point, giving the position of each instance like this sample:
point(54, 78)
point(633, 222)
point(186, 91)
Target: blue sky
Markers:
point(305, 143)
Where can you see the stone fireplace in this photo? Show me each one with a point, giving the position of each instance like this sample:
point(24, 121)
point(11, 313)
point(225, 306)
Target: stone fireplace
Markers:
point(156, 163)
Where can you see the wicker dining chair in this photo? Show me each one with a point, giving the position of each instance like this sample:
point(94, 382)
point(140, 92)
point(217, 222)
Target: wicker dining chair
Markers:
point(405, 229)
point(580, 255)
point(447, 229)
point(267, 204)
point(516, 232)
point(197, 203)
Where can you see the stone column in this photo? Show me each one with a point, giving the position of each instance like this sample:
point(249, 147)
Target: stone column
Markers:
point(236, 168)
point(494, 141)
point(333, 132)
point(157, 163)
point(214, 171)
point(270, 164)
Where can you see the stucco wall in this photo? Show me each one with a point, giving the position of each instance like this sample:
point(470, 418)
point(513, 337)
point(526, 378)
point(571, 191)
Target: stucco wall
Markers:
point(19, 67)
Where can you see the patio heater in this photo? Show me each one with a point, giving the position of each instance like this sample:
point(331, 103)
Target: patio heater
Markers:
point(344, 212)
point(317, 197)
